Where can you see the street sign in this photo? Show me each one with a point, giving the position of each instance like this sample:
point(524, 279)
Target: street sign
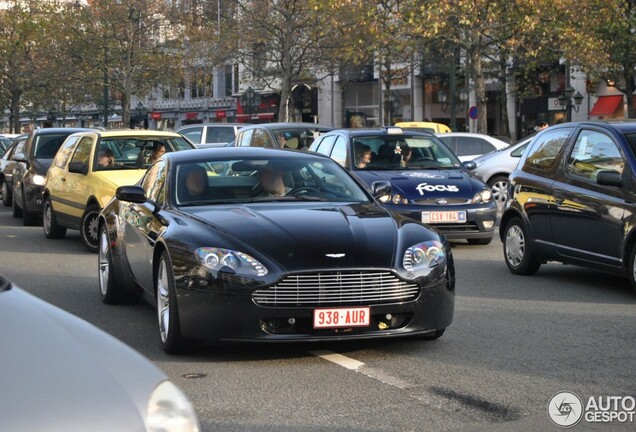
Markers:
point(472, 112)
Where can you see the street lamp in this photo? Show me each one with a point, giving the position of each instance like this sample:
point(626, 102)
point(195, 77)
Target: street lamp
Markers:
point(568, 101)
point(140, 114)
point(250, 100)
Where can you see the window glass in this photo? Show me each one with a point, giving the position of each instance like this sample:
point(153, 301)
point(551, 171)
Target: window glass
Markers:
point(339, 152)
point(65, 152)
point(193, 134)
point(467, 146)
point(83, 151)
point(153, 181)
point(131, 152)
point(275, 178)
point(300, 138)
point(326, 145)
point(19, 147)
point(486, 147)
point(402, 152)
point(519, 151)
point(246, 137)
point(546, 148)
point(594, 152)
point(46, 146)
point(450, 143)
point(260, 139)
point(219, 134)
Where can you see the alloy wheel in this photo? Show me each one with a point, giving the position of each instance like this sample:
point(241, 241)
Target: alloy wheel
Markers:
point(47, 217)
point(90, 228)
point(499, 190)
point(515, 245)
point(163, 301)
point(104, 263)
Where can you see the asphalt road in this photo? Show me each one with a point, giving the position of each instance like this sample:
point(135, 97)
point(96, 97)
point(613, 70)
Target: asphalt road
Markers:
point(515, 342)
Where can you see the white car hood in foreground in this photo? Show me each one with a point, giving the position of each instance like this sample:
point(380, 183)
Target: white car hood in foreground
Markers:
point(59, 373)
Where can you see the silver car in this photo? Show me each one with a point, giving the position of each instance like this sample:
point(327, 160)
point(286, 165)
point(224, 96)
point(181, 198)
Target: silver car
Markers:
point(495, 167)
point(59, 373)
point(205, 135)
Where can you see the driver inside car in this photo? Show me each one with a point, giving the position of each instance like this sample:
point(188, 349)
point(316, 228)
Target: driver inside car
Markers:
point(271, 182)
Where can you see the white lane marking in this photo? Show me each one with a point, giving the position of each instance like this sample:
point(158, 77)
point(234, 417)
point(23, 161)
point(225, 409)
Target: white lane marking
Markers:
point(338, 359)
point(358, 366)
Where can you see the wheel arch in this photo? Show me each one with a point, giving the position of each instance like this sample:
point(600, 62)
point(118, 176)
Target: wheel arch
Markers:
point(92, 201)
point(630, 243)
point(495, 175)
point(160, 247)
point(509, 214)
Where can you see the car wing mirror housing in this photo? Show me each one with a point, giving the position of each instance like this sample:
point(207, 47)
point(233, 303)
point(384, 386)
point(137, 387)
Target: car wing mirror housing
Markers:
point(381, 190)
point(469, 165)
point(133, 194)
point(609, 178)
point(78, 168)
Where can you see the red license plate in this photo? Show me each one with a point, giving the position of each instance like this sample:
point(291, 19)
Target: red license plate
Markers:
point(342, 317)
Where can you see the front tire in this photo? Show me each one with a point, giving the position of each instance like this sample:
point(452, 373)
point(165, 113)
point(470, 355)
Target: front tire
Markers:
point(51, 229)
point(516, 248)
point(89, 228)
point(7, 194)
point(17, 211)
point(172, 341)
point(28, 218)
point(112, 290)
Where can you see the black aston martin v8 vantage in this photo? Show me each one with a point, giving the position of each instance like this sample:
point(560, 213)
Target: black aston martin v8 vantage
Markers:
point(271, 245)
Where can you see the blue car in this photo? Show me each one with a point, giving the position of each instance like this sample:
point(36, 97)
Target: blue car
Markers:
point(428, 182)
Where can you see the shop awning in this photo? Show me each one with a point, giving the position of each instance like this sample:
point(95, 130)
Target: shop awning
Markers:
point(606, 105)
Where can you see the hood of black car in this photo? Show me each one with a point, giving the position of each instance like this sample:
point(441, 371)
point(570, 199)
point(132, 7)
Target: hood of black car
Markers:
point(306, 236)
point(41, 166)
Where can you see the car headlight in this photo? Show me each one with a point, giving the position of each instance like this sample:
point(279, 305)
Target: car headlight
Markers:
point(483, 196)
point(242, 264)
point(169, 410)
point(384, 199)
point(39, 180)
point(424, 255)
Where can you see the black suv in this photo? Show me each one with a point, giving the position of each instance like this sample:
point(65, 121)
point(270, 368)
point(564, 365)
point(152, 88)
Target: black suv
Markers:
point(29, 175)
point(572, 199)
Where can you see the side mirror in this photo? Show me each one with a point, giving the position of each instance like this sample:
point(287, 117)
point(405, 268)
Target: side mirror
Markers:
point(609, 178)
point(133, 194)
point(469, 165)
point(78, 168)
point(381, 190)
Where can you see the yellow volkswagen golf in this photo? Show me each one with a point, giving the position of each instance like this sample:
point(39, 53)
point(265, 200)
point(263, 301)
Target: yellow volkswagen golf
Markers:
point(88, 169)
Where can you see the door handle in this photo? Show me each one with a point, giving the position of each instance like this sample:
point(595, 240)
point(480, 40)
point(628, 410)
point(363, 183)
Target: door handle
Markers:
point(63, 179)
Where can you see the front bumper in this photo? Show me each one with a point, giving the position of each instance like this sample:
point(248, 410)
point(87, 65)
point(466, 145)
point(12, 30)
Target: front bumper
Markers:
point(34, 202)
point(481, 219)
point(235, 317)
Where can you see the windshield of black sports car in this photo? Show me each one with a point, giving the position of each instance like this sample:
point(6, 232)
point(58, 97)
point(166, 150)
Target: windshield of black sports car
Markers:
point(402, 152)
point(272, 179)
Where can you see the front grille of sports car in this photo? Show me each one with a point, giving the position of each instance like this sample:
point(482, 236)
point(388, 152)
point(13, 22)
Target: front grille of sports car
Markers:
point(337, 288)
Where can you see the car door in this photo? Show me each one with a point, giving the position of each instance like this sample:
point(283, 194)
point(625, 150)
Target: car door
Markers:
point(142, 227)
point(532, 185)
point(587, 218)
point(11, 163)
point(71, 197)
point(57, 185)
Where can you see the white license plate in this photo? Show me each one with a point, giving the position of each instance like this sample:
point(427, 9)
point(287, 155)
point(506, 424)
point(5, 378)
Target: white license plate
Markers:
point(342, 317)
point(444, 217)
